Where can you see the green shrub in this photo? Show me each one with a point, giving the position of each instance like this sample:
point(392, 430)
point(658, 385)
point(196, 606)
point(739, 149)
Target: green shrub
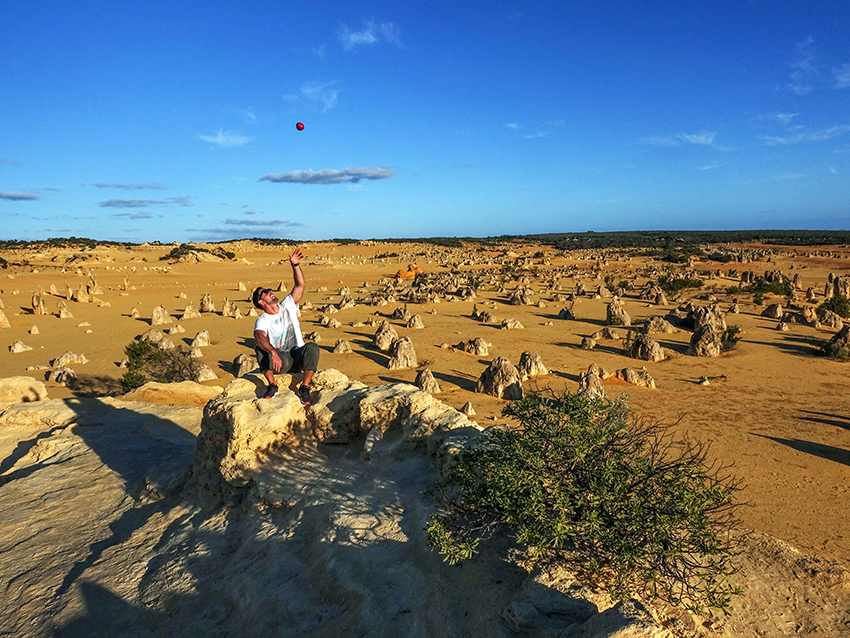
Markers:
point(614, 499)
point(839, 304)
point(146, 363)
point(782, 288)
point(670, 284)
point(730, 338)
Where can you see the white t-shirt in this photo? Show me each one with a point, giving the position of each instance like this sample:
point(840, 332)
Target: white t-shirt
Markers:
point(282, 329)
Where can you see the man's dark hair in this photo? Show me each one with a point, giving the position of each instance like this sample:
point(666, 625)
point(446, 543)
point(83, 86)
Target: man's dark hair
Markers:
point(258, 291)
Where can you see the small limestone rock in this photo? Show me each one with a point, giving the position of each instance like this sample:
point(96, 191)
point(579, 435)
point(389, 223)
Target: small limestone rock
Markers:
point(243, 364)
point(415, 322)
point(467, 409)
point(152, 335)
point(425, 381)
point(531, 365)
point(501, 379)
point(342, 346)
point(201, 339)
point(512, 324)
point(63, 376)
point(402, 354)
point(19, 346)
point(384, 336)
point(588, 343)
point(69, 358)
point(160, 316)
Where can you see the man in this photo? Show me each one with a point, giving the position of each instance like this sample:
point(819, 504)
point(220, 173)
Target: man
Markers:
point(279, 345)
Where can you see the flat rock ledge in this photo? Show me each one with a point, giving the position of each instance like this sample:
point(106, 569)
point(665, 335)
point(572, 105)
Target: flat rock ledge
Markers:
point(240, 433)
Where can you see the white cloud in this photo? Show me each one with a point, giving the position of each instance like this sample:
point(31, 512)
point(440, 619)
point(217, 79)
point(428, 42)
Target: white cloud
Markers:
point(785, 118)
point(9, 162)
point(833, 170)
point(807, 136)
point(708, 167)
point(703, 138)
point(842, 76)
point(803, 68)
point(512, 125)
point(322, 94)
point(372, 33)
point(225, 139)
point(329, 176)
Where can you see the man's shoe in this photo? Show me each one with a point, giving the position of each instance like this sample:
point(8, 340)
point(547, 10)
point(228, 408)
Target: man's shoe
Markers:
point(271, 392)
point(304, 394)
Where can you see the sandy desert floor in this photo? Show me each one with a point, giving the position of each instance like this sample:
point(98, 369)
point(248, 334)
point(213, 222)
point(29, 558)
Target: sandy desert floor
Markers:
point(774, 408)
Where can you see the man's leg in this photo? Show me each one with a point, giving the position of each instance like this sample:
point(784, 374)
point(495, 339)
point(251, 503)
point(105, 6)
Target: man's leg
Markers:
point(265, 361)
point(306, 358)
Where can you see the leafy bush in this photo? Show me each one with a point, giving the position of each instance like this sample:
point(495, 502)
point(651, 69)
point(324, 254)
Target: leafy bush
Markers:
point(839, 304)
point(615, 499)
point(730, 338)
point(184, 249)
point(146, 363)
point(671, 284)
point(763, 287)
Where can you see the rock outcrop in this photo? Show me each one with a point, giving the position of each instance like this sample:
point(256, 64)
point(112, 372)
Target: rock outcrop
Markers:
point(501, 379)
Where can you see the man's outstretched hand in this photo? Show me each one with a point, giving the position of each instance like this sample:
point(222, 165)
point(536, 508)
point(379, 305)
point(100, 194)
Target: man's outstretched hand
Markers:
point(296, 257)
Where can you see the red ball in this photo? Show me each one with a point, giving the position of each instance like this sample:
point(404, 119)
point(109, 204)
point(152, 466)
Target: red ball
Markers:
point(299, 126)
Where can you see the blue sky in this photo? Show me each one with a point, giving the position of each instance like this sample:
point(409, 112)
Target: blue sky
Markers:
point(175, 121)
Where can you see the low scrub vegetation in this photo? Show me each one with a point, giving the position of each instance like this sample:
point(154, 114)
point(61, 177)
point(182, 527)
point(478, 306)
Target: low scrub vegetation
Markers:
point(839, 304)
point(614, 499)
point(146, 363)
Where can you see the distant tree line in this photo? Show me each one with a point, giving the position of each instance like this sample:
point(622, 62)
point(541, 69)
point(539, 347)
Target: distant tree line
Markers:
point(662, 238)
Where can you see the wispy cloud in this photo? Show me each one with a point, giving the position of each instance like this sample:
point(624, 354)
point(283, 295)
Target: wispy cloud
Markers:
point(785, 118)
point(226, 139)
point(807, 136)
point(708, 167)
point(323, 94)
point(267, 223)
point(512, 125)
point(9, 162)
point(18, 197)
point(803, 68)
point(144, 203)
point(702, 138)
point(833, 170)
point(142, 215)
point(133, 187)
point(329, 176)
point(248, 114)
point(660, 140)
point(841, 74)
point(371, 34)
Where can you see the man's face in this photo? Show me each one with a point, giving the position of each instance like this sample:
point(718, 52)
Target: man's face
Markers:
point(268, 297)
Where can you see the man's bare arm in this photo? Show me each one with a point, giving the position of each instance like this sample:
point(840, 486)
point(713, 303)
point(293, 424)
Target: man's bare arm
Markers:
point(297, 290)
point(263, 343)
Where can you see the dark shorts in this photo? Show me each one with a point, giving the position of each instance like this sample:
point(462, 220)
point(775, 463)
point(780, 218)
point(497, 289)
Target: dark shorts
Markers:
point(296, 360)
